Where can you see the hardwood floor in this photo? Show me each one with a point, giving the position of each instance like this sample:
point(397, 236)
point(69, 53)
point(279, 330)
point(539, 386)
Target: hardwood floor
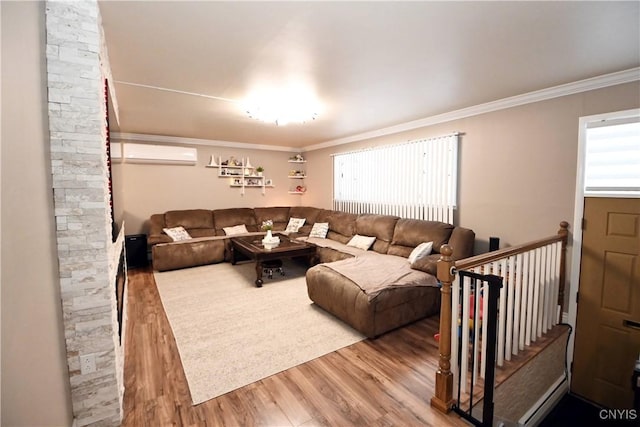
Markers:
point(384, 382)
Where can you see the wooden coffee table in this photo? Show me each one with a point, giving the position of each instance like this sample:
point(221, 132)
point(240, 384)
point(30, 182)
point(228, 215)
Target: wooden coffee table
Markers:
point(252, 247)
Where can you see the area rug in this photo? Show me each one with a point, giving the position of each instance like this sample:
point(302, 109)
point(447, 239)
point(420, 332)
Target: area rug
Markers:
point(231, 333)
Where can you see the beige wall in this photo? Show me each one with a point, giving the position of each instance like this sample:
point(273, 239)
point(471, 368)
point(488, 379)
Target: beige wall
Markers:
point(146, 189)
point(35, 383)
point(517, 166)
point(517, 170)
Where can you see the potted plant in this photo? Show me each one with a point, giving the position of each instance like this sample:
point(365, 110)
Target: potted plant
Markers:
point(259, 170)
point(268, 226)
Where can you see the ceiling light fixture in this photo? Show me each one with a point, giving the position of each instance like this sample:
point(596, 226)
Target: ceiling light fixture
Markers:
point(280, 116)
point(282, 107)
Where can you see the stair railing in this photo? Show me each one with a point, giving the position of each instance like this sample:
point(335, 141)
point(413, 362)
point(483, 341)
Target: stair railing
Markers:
point(530, 303)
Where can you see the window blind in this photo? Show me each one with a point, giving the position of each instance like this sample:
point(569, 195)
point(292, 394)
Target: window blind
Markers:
point(416, 179)
point(613, 158)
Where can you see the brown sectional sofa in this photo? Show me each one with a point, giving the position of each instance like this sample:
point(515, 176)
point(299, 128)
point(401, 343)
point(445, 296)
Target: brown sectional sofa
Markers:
point(345, 296)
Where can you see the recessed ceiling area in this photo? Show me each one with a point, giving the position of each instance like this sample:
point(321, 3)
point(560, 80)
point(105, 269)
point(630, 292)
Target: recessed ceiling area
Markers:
point(371, 64)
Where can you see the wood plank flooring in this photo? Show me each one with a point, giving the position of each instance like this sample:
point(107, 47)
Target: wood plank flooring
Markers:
point(384, 382)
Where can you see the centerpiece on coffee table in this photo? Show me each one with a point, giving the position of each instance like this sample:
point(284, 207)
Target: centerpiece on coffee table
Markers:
point(270, 241)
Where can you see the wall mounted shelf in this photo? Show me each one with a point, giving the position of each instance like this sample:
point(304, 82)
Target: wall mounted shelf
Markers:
point(298, 175)
point(241, 174)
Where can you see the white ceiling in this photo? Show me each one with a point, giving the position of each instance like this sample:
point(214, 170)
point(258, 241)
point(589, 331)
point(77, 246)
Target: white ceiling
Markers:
point(372, 64)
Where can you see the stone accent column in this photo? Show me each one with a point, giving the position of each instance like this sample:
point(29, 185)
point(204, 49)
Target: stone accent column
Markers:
point(77, 127)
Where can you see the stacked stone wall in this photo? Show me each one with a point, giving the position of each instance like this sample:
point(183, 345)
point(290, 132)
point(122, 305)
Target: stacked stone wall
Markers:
point(86, 253)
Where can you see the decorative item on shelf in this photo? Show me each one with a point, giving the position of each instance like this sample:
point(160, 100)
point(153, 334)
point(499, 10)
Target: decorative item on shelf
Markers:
point(232, 162)
point(296, 158)
point(212, 161)
point(301, 188)
point(259, 170)
point(248, 165)
point(268, 182)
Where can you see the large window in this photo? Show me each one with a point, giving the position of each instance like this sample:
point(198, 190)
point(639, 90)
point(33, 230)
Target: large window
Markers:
point(417, 179)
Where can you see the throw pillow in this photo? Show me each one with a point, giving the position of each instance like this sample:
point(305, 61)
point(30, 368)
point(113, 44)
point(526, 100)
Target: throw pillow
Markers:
point(236, 229)
point(361, 242)
point(177, 233)
point(420, 251)
point(294, 225)
point(320, 230)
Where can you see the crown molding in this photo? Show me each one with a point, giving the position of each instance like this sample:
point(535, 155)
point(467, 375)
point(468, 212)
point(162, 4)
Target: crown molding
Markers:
point(613, 79)
point(178, 140)
point(585, 85)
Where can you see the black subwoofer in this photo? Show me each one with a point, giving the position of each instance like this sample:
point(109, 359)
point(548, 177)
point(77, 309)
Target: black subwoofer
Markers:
point(136, 248)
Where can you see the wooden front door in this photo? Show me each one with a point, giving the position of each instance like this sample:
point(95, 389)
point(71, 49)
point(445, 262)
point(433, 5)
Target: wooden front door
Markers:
point(608, 319)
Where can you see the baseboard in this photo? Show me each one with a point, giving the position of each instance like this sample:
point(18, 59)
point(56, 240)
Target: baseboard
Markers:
point(546, 403)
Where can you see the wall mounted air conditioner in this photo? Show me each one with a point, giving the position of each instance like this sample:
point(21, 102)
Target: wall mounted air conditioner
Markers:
point(156, 154)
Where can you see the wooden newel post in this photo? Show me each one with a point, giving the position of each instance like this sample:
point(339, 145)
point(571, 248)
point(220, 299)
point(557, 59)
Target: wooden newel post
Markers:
point(442, 400)
point(564, 232)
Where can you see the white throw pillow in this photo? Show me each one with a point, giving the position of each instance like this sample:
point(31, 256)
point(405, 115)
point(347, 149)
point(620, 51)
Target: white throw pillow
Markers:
point(361, 242)
point(320, 230)
point(420, 251)
point(294, 224)
point(236, 229)
point(177, 233)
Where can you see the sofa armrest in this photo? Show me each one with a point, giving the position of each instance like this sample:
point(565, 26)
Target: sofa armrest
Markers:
point(462, 241)
point(156, 235)
point(154, 239)
point(427, 264)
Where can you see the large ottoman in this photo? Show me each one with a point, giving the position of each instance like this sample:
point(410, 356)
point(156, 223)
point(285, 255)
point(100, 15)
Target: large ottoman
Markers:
point(389, 309)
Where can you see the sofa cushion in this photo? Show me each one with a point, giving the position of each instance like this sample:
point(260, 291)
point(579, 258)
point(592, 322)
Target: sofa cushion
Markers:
point(234, 216)
point(170, 256)
point(342, 226)
point(279, 216)
point(409, 233)
point(189, 218)
point(202, 232)
point(310, 214)
point(380, 226)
